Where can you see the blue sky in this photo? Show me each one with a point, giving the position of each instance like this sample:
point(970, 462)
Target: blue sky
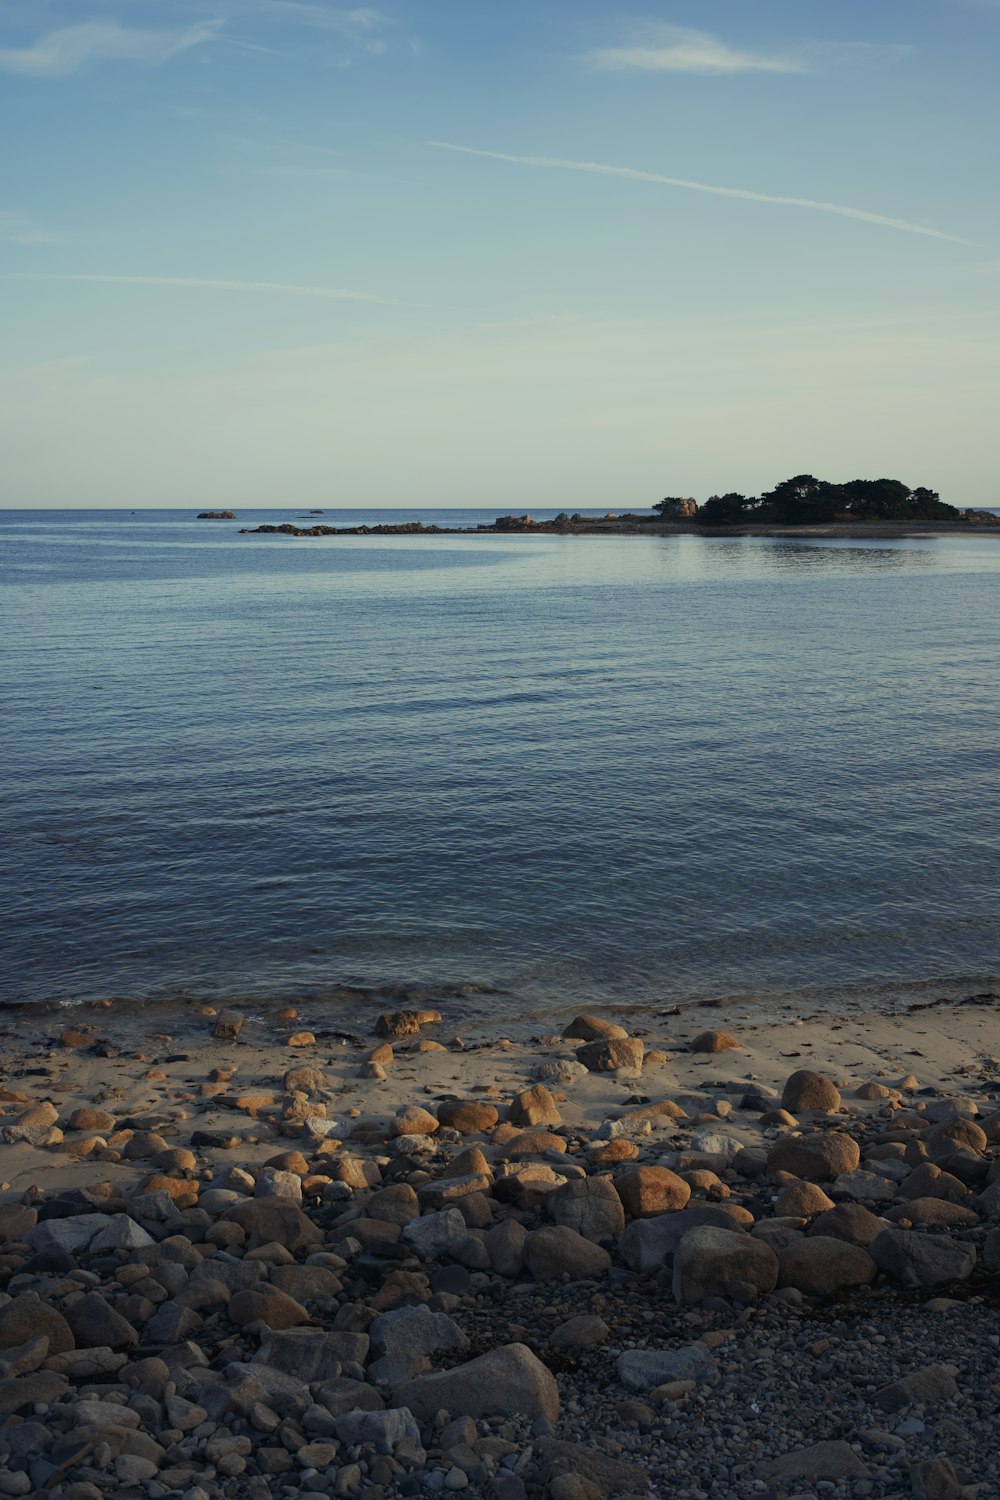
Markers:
point(496, 252)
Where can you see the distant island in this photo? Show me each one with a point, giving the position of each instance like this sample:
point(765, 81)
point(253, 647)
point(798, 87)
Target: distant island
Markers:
point(216, 515)
point(861, 506)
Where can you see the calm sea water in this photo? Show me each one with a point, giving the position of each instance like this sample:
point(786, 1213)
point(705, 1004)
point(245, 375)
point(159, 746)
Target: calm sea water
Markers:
point(634, 771)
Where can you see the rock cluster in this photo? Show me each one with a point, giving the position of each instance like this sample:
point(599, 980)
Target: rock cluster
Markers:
point(471, 1295)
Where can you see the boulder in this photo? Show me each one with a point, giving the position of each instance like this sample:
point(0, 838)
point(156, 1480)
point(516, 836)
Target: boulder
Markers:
point(436, 1235)
point(278, 1221)
point(851, 1222)
point(621, 1056)
point(921, 1388)
point(534, 1106)
point(267, 1305)
point(805, 1090)
point(402, 1338)
point(27, 1316)
point(508, 1381)
point(830, 1460)
point(468, 1116)
point(385, 1431)
point(594, 1029)
point(648, 1243)
point(645, 1369)
point(722, 1263)
point(817, 1157)
point(714, 1041)
point(589, 1205)
point(550, 1254)
point(802, 1200)
point(820, 1265)
point(918, 1259)
point(648, 1191)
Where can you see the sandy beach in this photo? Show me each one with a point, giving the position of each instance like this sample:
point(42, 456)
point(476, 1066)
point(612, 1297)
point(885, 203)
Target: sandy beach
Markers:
point(261, 1252)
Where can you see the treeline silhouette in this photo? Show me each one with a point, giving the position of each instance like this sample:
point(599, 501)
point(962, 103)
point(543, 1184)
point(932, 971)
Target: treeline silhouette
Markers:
point(806, 501)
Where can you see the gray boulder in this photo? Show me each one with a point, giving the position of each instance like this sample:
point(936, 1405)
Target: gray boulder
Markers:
point(645, 1369)
point(508, 1381)
point(918, 1259)
point(720, 1263)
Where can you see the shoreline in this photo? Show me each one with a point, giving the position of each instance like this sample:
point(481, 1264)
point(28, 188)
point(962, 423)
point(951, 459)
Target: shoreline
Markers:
point(251, 1253)
point(852, 531)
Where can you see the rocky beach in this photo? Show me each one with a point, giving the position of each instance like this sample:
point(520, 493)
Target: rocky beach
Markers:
point(261, 1252)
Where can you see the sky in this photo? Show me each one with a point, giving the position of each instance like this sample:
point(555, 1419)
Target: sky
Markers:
point(495, 252)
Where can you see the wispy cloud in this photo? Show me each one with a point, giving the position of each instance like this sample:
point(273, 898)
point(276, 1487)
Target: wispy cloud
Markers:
point(281, 288)
point(679, 49)
point(74, 47)
point(18, 229)
point(634, 175)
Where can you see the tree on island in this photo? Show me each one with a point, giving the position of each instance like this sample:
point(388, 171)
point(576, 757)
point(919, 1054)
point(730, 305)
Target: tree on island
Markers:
point(676, 508)
point(805, 500)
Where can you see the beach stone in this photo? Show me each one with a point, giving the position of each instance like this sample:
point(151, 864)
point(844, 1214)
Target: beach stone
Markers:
point(865, 1187)
point(585, 1331)
point(505, 1247)
point(606, 1475)
point(873, 1091)
point(610, 1153)
point(534, 1106)
point(88, 1117)
point(273, 1183)
point(267, 1305)
point(397, 1204)
point(15, 1221)
point(957, 1134)
point(310, 1354)
point(27, 1317)
point(40, 1388)
point(802, 1200)
point(818, 1157)
point(357, 1171)
point(95, 1324)
point(819, 1266)
point(623, 1055)
point(385, 1431)
point(830, 1460)
point(918, 1259)
point(275, 1221)
point(436, 1235)
point(228, 1026)
point(564, 1071)
point(935, 1479)
point(468, 1116)
point(655, 1113)
point(550, 1254)
point(930, 1211)
point(508, 1381)
point(410, 1119)
point(303, 1079)
point(393, 1023)
point(300, 1039)
point(645, 1369)
point(647, 1243)
point(928, 1181)
point(532, 1143)
point(714, 1041)
point(22, 1359)
point(68, 1236)
point(805, 1090)
point(401, 1340)
point(722, 1263)
point(649, 1191)
point(590, 1206)
point(594, 1029)
point(36, 1125)
point(851, 1222)
point(921, 1388)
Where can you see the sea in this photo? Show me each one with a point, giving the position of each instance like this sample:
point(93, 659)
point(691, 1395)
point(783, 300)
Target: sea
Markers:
point(535, 774)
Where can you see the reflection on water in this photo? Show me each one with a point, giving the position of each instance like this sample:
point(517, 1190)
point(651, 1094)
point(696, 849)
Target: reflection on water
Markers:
point(626, 771)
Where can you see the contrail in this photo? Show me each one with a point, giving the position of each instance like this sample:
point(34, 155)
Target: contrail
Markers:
point(635, 175)
point(282, 288)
